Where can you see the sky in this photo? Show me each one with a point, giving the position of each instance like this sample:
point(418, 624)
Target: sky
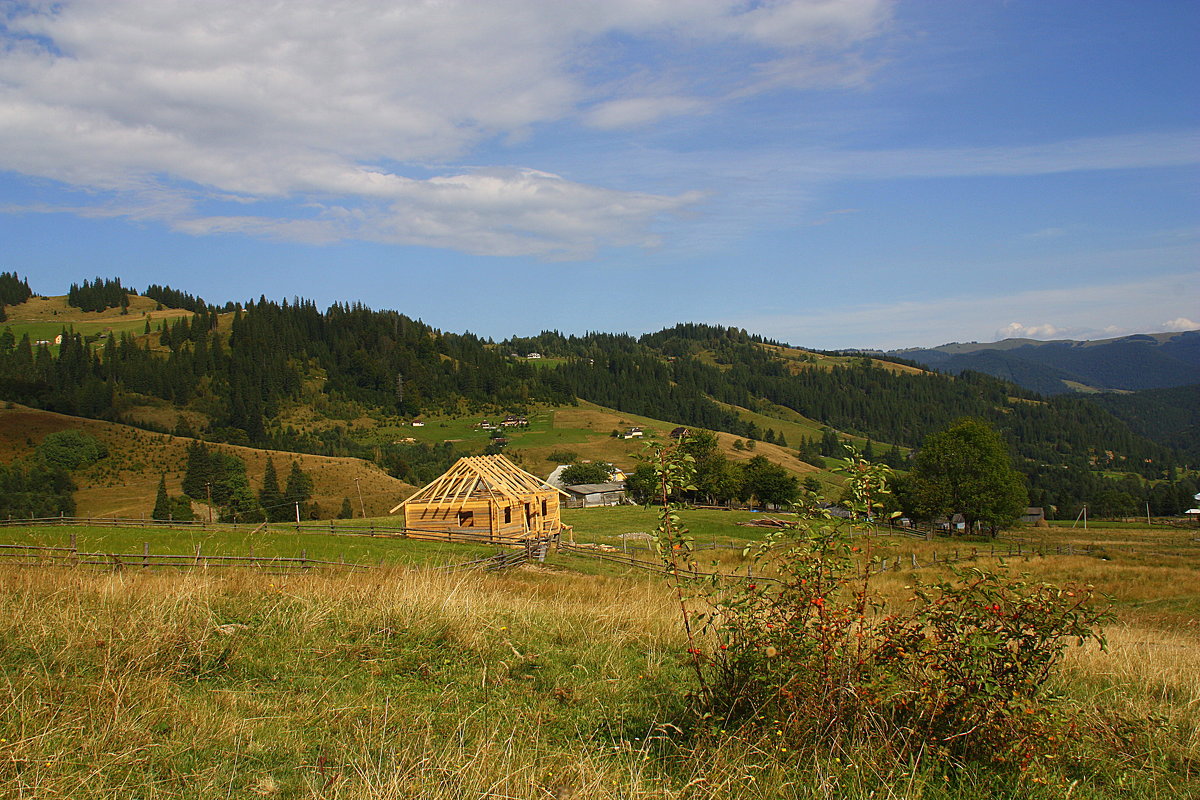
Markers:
point(828, 173)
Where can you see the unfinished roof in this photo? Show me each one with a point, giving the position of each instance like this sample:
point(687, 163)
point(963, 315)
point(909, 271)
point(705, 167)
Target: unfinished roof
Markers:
point(480, 477)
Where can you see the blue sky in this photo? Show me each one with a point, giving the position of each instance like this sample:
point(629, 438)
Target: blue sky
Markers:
point(832, 173)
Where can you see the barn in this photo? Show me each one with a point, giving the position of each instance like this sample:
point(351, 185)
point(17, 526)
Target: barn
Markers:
point(485, 495)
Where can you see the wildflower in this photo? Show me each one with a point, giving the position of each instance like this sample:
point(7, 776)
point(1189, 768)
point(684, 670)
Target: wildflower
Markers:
point(752, 587)
point(771, 651)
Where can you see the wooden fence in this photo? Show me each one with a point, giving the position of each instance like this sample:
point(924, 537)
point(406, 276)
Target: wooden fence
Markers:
point(1000, 550)
point(27, 555)
point(369, 529)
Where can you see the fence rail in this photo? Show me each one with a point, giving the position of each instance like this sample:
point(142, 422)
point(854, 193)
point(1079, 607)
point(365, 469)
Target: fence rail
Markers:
point(28, 555)
point(329, 528)
point(899, 561)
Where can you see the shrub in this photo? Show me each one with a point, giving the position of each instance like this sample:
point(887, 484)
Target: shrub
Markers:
point(815, 650)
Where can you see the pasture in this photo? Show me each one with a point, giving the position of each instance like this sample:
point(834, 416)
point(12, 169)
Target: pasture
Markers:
point(562, 680)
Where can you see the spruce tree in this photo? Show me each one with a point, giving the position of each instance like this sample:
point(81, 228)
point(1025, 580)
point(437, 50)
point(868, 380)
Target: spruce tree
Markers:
point(162, 502)
point(198, 471)
point(270, 497)
point(347, 511)
point(299, 488)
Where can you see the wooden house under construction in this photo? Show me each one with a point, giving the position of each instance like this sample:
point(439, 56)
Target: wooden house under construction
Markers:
point(485, 496)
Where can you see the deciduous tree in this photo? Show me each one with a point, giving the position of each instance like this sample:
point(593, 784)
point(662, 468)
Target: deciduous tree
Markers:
point(966, 470)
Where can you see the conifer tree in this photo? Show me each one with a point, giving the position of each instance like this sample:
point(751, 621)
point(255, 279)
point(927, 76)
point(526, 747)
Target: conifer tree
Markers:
point(198, 471)
point(270, 497)
point(162, 502)
point(299, 488)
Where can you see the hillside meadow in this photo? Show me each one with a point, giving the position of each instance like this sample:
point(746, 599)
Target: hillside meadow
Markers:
point(567, 679)
point(124, 483)
point(44, 318)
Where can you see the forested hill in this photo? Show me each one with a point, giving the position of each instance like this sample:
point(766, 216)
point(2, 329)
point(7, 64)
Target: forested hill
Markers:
point(239, 370)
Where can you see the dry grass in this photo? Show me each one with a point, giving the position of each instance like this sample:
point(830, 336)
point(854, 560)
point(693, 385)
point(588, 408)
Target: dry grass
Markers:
point(399, 685)
point(124, 484)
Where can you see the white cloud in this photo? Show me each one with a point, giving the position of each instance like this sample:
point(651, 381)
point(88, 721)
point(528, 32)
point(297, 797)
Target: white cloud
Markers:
point(634, 111)
point(350, 106)
point(1015, 330)
point(1181, 324)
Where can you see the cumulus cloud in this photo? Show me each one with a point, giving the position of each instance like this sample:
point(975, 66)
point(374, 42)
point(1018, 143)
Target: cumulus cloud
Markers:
point(1181, 324)
point(364, 116)
point(1015, 330)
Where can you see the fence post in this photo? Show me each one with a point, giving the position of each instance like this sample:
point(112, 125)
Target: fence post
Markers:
point(145, 554)
point(304, 559)
point(197, 561)
point(914, 560)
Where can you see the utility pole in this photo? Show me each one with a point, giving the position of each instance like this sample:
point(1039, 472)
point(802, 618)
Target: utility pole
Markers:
point(362, 507)
point(297, 515)
point(208, 486)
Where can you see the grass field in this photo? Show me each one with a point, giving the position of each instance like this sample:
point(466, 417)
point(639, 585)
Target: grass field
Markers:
point(543, 682)
point(271, 541)
point(44, 319)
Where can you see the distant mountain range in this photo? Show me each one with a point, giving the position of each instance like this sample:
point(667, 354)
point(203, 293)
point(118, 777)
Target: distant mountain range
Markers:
point(1126, 363)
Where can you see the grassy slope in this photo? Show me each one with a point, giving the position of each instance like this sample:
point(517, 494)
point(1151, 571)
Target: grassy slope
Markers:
point(799, 359)
point(124, 484)
point(46, 318)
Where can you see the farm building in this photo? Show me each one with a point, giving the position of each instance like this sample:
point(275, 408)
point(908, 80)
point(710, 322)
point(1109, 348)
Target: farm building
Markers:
point(487, 495)
point(587, 495)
